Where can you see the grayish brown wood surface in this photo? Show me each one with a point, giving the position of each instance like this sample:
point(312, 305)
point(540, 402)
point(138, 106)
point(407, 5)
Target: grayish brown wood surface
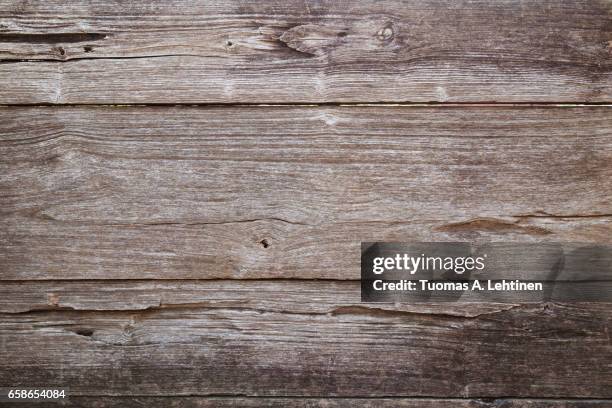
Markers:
point(278, 339)
point(127, 233)
point(231, 402)
point(304, 296)
point(305, 51)
point(137, 295)
point(256, 192)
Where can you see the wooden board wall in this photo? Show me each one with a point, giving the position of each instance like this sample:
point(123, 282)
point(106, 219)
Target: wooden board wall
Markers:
point(184, 187)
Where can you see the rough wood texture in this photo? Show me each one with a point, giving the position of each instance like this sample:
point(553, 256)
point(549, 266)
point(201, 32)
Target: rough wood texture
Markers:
point(305, 296)
point(296, 338)
point(256, 192)
point(270, 295)
point(231, 402)
point(292, 346)
point(305, 51)
point(126, 233)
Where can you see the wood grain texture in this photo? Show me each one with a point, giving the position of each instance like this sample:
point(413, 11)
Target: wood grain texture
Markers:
point(231, 402)
point(269, 192)
point(305, 51)
point(127, 233)
point(304, 296)
point(254, 349)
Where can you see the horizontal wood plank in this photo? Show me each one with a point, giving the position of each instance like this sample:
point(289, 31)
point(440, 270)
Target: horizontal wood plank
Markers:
point(305, 296)
point(281, 339)
point(268, 192)
point(309, 296)
point(226, 402)
point(305, 51)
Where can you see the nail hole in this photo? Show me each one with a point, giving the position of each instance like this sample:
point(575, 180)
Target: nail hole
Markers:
point(264, 243)
point(342, 34)
point(229, 43)
point(87, 48)
point(61, 51)
point(84, 332)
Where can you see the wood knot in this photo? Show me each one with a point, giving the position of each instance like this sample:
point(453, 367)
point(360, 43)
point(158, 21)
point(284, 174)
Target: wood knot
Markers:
point(385, 34)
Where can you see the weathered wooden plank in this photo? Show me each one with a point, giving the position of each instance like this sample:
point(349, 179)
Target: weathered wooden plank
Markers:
point(302, 296)
point(222, 402)
point(349, 351)
point(306, 51)
point(31, 249)
point(252, 192)
point(305, 296)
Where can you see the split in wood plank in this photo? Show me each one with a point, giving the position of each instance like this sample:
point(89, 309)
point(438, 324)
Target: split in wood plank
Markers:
point(264, 346)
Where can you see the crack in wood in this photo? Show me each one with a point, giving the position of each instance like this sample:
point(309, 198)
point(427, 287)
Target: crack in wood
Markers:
point(544, 214)
point(67, 58)
point(46, 217)
point(493, 224)
point(348, 310)
point(51, 38)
